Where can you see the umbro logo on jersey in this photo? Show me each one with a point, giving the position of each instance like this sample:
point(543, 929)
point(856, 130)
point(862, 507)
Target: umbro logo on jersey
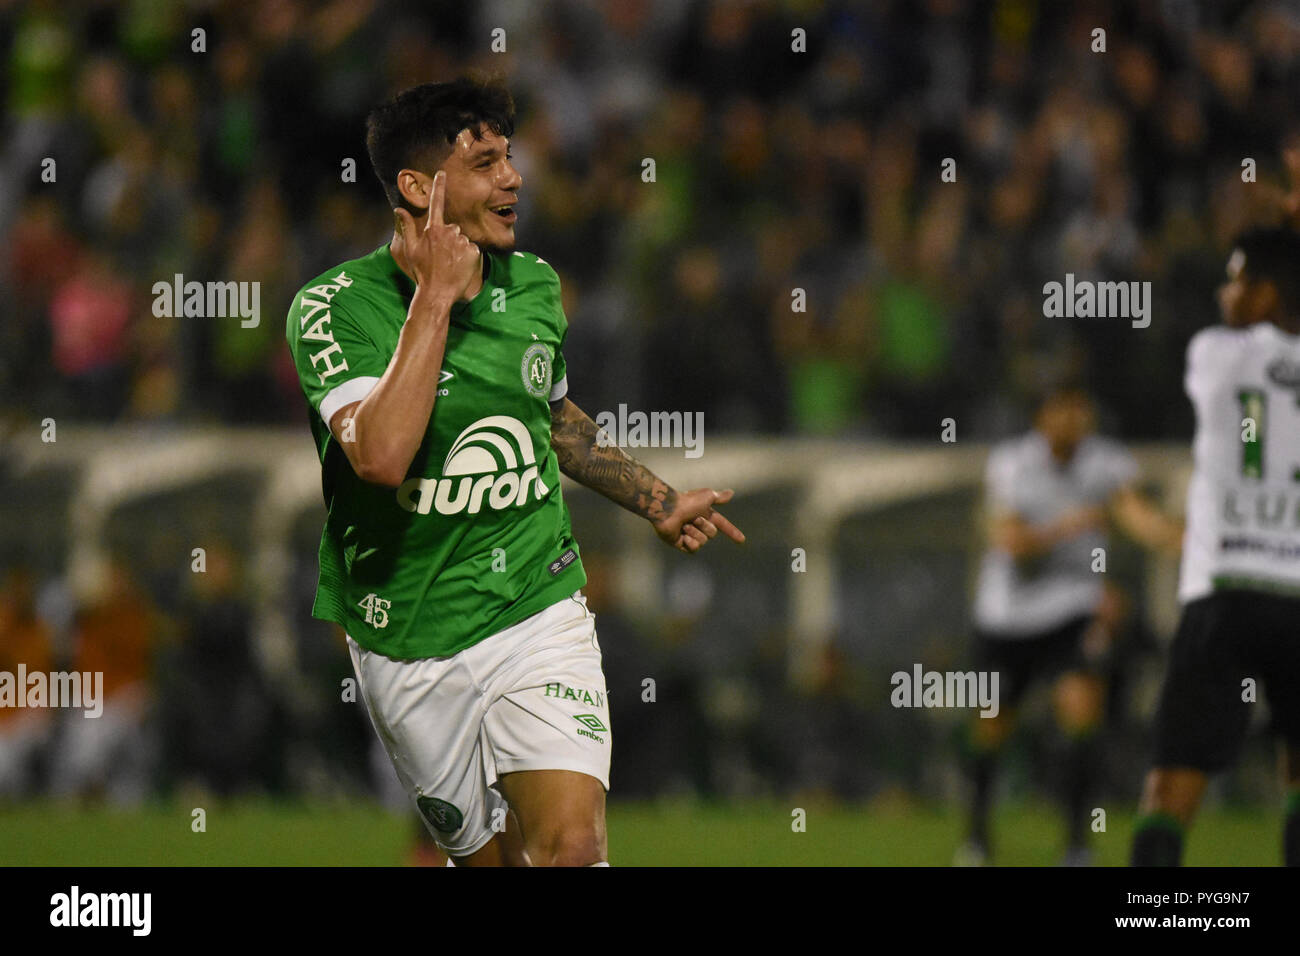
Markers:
point(445, 376)
point(563, 561)
point(491, 461)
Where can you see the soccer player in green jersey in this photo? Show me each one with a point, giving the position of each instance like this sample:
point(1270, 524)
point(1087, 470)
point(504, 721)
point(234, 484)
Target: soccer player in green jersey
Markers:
point(435, 371)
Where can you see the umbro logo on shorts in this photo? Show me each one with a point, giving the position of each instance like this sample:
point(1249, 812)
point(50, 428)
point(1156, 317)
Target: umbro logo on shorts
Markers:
point(592, 723)
point(442, 816)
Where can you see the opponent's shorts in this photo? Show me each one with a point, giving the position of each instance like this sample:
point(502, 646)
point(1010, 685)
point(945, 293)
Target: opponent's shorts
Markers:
point(1223, 639)
point(531, 697)
point(1020, 661)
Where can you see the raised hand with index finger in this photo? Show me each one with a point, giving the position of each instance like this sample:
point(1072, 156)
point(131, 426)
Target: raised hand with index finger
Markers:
point(693, 520)
point(438, 256)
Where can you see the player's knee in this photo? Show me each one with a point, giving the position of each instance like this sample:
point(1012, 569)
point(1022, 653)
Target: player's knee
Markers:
point(1173, 791)
point(1078, 703)
point(567, 846)
point(1157, 792)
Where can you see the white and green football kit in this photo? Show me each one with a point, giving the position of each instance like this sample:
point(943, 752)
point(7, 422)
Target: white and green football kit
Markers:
point(1243, 501)
point(1023, 599)
point(531, 697)
point(473, 552)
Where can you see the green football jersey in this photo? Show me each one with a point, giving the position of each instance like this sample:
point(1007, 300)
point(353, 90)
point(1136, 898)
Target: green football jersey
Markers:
point(477, 537)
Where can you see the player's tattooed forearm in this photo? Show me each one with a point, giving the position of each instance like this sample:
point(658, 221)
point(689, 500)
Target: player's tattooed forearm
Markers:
point(658, 501)
point(607, 469)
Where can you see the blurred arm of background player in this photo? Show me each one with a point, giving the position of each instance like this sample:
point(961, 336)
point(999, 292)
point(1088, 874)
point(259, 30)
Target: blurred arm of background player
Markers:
point(1023, 540)
point(1145, 522)
point(1135, 514)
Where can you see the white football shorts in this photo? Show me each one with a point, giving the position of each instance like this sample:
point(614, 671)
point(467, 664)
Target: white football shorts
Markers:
point(531, 697)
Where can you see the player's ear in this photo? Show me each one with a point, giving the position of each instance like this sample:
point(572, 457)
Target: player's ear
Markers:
point(416, 188)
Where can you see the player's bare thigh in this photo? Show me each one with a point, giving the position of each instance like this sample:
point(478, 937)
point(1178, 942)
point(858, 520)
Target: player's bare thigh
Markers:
point(561, 815)
point(566, 814)
point(504, 849)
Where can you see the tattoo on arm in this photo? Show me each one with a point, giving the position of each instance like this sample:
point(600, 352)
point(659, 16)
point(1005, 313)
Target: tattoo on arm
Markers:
point(609, 470)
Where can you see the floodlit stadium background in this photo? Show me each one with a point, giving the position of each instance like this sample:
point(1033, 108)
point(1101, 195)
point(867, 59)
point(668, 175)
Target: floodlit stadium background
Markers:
point(775, 170)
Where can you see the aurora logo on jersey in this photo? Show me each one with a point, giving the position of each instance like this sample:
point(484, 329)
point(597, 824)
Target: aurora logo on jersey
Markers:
point(491, 461)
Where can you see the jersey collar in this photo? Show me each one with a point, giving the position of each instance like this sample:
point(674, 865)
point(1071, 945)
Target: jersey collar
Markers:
point(407, 284)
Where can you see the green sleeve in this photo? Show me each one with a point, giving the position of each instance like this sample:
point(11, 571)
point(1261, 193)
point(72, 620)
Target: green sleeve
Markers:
point(559, 370)
point(337, 361)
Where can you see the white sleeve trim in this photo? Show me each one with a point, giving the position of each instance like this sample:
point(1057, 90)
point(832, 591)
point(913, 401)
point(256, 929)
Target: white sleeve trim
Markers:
point(353, 390)
point(559, 389)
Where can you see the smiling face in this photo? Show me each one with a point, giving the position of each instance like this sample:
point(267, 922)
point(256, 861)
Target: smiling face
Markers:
point(482, 188)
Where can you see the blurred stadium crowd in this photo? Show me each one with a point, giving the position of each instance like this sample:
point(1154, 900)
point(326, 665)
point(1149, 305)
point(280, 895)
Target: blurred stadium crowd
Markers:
point(774, 170)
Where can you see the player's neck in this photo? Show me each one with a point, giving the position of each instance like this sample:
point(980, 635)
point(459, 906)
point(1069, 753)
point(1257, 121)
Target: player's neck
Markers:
point(476, 286)
point(398, 252)
point(1061, 454)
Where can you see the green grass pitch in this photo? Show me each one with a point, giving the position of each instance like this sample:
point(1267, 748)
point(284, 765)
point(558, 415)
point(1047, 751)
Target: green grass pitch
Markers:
point(673, 834)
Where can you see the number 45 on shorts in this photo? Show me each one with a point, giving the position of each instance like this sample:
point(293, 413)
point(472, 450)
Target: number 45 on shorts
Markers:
point(376, 610)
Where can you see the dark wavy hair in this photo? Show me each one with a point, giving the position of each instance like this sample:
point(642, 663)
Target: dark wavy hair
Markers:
point(417, 128)
point(1273, 255)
